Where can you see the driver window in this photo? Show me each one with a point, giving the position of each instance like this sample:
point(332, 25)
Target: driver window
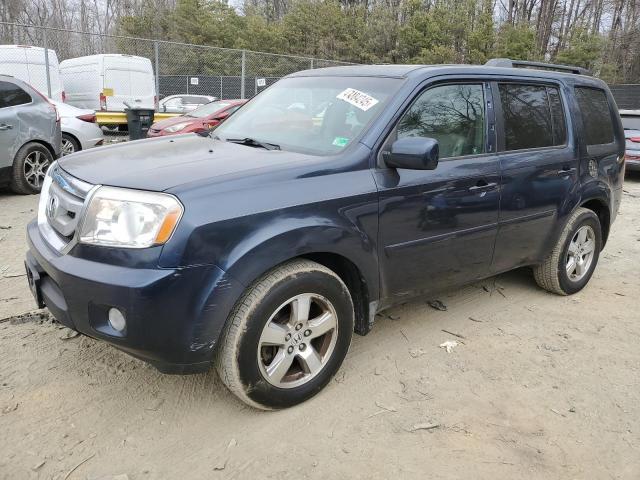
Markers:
point(452, 114)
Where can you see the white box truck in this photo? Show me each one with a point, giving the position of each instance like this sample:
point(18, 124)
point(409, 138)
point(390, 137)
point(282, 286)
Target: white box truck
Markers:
point(105, 82)
point(28, 64)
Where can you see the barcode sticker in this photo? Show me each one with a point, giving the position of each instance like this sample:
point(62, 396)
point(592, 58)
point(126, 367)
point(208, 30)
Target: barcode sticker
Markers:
point(357, 98)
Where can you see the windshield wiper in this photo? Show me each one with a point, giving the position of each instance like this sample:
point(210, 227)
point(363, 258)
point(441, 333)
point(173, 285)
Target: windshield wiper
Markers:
point(252, 142)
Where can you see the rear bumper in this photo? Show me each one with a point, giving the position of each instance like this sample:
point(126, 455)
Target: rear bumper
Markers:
point(174, 316)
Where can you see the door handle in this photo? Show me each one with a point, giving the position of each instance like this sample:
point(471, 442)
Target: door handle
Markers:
point(4, 126)
point(482, 186)
point(566, 171)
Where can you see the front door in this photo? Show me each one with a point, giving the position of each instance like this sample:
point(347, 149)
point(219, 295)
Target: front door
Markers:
point(437, 227)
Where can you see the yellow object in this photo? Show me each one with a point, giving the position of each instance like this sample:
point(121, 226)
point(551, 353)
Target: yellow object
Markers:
point(167, 227)
point(120, 118)
point(107, 92)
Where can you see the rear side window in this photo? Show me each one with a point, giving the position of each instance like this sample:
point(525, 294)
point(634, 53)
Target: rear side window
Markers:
point(596, 116)
point(533, 116)
point(12, 95)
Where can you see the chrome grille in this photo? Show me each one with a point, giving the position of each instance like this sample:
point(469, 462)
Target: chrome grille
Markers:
point(61, 207)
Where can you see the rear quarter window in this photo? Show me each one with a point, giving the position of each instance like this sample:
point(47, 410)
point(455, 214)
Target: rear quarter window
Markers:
point(596, 115)
point(12, 95)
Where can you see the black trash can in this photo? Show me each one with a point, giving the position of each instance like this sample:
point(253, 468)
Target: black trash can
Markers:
point(139, 120)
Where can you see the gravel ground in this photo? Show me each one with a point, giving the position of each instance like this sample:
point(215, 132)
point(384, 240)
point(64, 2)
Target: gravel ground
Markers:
point(540, 386)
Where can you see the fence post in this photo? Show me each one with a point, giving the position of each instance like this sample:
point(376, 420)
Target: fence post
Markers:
point(242, 72)
point(157, 69)
point(312, 64)
point(46, 60)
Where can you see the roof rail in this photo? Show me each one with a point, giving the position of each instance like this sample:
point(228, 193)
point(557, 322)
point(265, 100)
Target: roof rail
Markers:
point(508, 63)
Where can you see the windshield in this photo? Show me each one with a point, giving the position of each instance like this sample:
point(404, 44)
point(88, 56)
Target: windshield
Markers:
point(316, 115)
point(208, 109)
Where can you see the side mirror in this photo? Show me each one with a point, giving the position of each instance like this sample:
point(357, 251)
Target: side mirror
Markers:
point(413, 153)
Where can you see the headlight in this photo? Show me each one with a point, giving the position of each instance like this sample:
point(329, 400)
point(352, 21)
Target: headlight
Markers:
point(120, 217)
point(177, 127)
point(44, 194)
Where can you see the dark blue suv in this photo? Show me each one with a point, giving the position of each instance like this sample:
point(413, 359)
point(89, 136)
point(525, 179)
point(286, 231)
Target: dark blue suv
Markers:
point(332, 195)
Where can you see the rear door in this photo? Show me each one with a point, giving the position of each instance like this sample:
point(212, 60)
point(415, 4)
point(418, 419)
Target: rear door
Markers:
point(117, 88)
point(11, 98)
point(437, 227)
point(128, 79)
point(538, 164)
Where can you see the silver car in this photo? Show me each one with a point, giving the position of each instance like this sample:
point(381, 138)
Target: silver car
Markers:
point(631, 124)
point(30, 137)
point(183, 103)
point(79, 128)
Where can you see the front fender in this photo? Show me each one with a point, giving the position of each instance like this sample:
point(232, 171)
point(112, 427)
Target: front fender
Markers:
point(278, 243)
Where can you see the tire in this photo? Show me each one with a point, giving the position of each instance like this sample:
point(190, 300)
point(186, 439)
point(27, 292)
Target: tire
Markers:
point(247, 352)
point(69, 145)
point(29, 168)
point(554, 273)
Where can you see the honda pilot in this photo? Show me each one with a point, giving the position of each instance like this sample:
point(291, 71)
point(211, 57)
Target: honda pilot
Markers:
point(260, 247)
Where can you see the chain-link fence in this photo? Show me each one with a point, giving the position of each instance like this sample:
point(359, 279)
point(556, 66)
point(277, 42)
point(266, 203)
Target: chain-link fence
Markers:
point(177, 68)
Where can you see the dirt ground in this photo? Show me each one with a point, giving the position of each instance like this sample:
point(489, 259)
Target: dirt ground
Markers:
point(541, 386)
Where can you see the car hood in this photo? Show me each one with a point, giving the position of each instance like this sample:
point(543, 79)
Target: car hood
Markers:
point(167, 122)
point(164, 163)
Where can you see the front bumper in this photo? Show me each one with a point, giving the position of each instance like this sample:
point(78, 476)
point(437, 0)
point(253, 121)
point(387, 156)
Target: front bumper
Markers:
point(174, 316)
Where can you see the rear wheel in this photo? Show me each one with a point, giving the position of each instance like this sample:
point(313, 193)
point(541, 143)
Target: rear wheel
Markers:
point(69, 145)
point(30, 167)
point(287, 336)
point(571, 263)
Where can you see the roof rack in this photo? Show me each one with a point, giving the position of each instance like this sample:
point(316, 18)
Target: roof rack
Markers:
point(508, 63)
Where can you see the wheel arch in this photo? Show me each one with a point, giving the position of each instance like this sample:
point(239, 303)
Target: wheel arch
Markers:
point(601, 208)
point(352, 257)
point(41, 142)
point(351, 275)
point(77, 140)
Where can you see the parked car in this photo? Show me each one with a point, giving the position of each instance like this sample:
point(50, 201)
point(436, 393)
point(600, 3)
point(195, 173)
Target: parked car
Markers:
point(261, 247)
point(201, 119)
point(183, 103)
point(29, 65)
point(29, 135)
point(79, 128)
point(107, 81)
point(631, 124)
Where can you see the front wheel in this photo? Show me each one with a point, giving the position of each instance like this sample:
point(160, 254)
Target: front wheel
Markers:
point(287, 336)
point(571, 263)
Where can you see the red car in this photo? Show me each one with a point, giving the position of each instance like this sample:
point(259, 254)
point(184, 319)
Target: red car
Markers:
point(201, 119)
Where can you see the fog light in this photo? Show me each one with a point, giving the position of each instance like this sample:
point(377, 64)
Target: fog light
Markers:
point(116, 320)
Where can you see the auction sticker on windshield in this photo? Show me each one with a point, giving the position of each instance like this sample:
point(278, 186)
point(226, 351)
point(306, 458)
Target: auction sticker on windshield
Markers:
point(357, 98)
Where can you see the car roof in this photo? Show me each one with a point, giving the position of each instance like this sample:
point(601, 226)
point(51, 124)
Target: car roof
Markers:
point(413, 71)
point(17, 81)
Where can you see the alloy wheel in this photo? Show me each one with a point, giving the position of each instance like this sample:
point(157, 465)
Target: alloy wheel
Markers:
point(35, 168)
point(580, 253)
point(67, 147)
point(298, 340)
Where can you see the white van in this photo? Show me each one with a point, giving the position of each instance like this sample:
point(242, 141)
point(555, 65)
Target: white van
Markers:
point(105, 82)
point(27, 63)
